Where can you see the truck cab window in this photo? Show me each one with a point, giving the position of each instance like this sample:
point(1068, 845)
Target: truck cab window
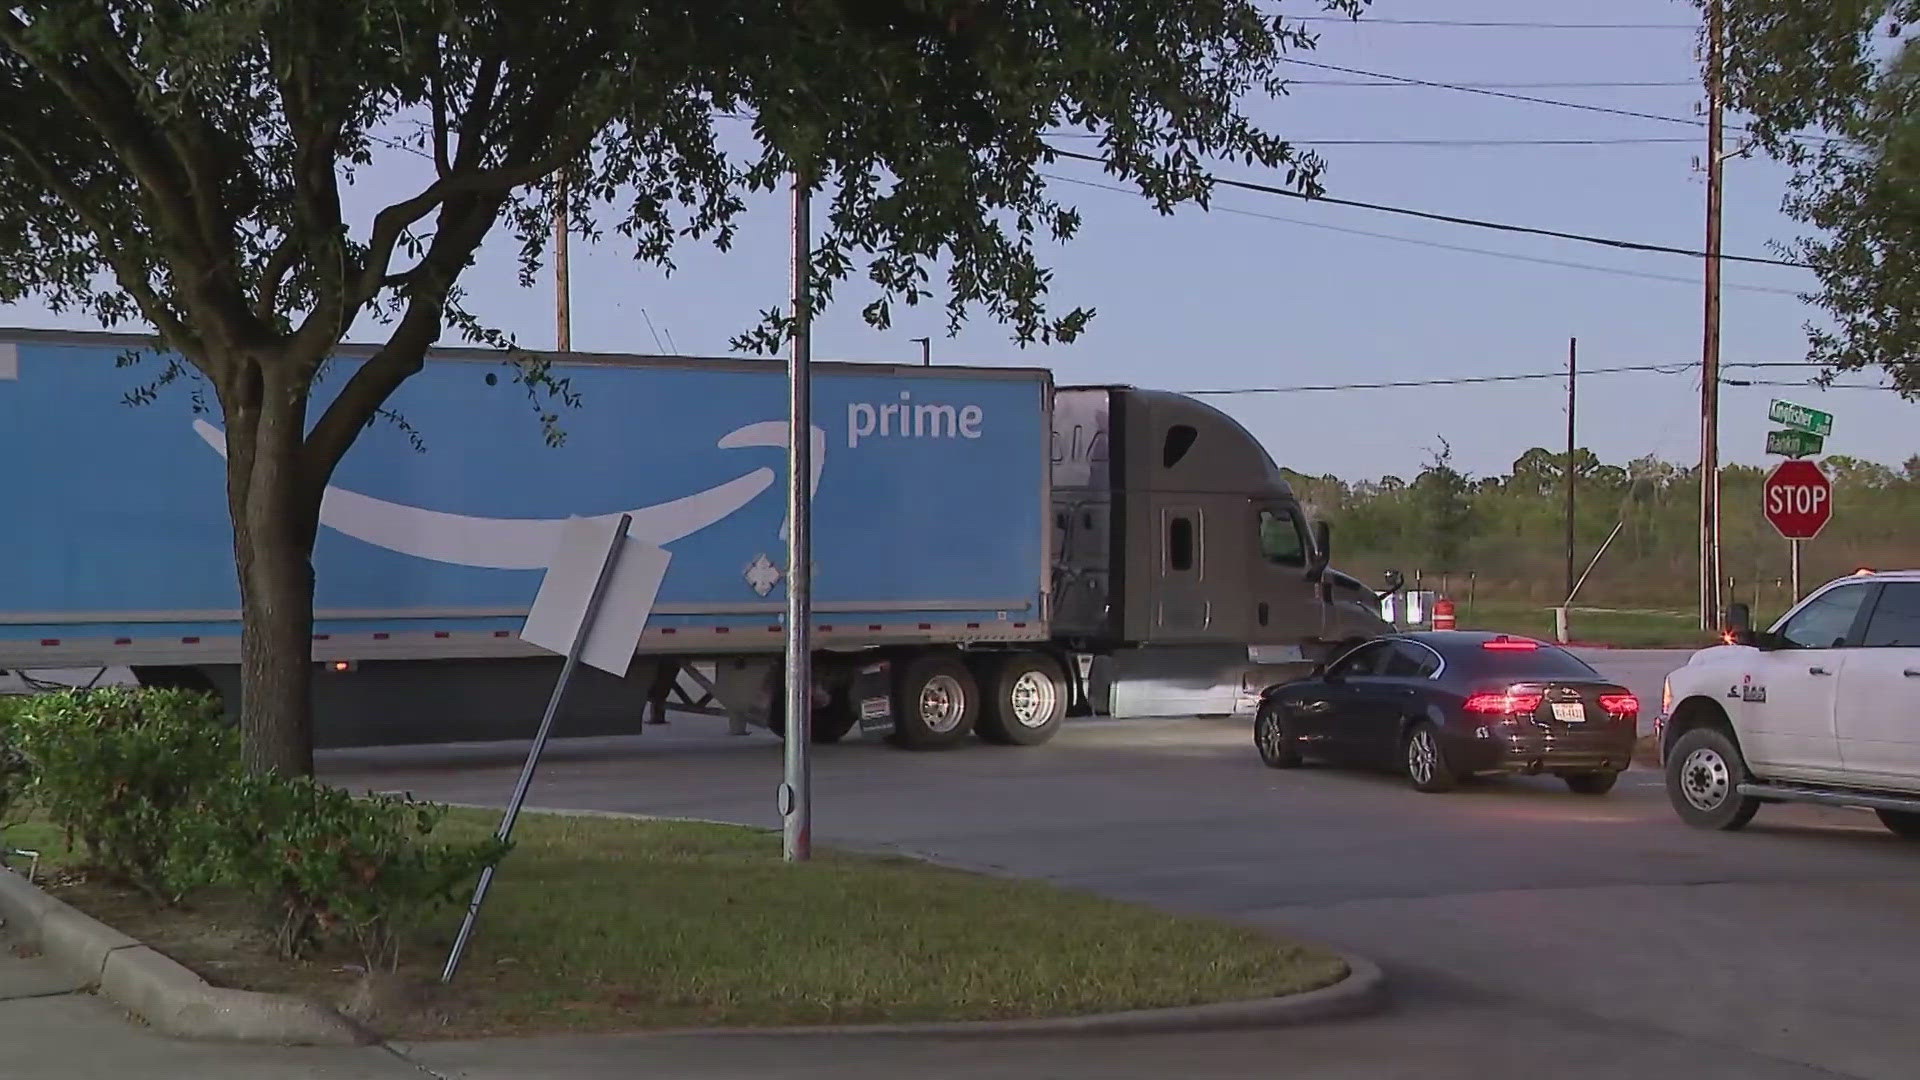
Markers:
point(1283, 538)
point(1180, 544)
point(1825, 623)
point(1896, 619)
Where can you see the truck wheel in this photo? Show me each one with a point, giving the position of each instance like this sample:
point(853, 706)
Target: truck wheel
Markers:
point(936, 702)
point(1704, 773)
point(1903, 823)
point(1425, 760)
point(831, 721)
point(1025, 698)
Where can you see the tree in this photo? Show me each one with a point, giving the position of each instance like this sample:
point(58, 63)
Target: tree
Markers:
point(1443, 499)
point(1833, 89)
point(185, 163)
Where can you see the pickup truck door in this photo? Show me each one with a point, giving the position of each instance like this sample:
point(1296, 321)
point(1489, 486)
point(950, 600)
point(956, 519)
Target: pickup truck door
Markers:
point(1785, 704)
point(1878, 707)
point(1286, 606)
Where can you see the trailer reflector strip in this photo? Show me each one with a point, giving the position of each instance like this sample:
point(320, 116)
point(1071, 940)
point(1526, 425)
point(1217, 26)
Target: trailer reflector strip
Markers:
point(49, 642)
point(189, 641)
point(123, 641)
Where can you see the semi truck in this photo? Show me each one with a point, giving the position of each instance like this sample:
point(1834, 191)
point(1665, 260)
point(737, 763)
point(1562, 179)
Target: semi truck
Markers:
point(992, 552)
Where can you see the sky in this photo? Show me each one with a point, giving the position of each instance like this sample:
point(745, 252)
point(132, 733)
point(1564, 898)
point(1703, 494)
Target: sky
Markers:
point(1223, 299)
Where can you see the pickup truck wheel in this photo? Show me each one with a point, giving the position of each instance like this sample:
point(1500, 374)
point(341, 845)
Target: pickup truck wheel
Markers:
point(1904, 823)
point(1704, 773)
point(1590, 783)
point(1024, 699)
point(936, 703)
point(1425, 761)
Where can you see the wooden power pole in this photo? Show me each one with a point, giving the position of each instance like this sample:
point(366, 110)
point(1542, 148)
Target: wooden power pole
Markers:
point(562, 283)
point(1710, 343)
point(1573, 353)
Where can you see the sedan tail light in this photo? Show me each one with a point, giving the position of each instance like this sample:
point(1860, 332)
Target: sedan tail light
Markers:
point(1503, 704)
point(1620, 704)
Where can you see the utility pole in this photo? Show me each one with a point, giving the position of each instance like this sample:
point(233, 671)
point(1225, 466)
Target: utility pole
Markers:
point(1573, 352)
point(1710, 343)
point(796, 792)
point(562, 282)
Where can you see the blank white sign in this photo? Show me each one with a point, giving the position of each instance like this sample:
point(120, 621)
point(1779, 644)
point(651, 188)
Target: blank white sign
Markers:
point(561, 607)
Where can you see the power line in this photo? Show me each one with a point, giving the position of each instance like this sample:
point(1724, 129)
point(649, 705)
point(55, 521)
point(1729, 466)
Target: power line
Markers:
point(1607, 141)
point(1454, 142)
point(1507, 95)
point(1665, 84)
point(1478, 223)
point(1417, 242)
point(1680, 368)
point(1488, 24)
point(1528, 98)
point(1457, 380)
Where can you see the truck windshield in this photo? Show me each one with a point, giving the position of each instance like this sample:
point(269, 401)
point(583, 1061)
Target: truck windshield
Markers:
point(1282, 540)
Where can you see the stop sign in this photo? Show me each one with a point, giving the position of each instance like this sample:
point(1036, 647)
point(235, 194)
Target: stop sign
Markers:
point(1798, 499)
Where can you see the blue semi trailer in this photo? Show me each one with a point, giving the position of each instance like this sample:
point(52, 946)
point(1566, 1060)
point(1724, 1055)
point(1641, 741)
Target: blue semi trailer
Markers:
point(992, 553)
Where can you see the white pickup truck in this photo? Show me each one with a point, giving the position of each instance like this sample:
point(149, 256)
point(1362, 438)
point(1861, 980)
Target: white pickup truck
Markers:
point(1823, 707)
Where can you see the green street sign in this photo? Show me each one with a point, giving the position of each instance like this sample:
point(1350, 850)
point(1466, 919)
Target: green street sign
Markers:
point(1800, 418)
point(1794, 444)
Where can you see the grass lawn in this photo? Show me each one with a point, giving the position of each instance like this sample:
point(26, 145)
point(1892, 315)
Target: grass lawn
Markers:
point(1640, 628)
point(603, 924)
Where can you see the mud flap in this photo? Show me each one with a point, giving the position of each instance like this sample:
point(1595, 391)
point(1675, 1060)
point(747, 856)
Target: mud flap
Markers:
point(872, 694)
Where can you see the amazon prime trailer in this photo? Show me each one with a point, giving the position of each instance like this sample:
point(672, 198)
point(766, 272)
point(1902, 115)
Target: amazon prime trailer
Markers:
point(991, 553)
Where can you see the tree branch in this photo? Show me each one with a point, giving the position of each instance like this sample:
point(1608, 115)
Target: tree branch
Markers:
point(131, 275)
point(114, 111)
point(464, 223)
point(273, 274)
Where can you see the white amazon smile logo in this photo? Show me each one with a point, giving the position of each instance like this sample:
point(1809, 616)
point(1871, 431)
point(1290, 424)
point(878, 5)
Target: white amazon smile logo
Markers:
point(530, 543)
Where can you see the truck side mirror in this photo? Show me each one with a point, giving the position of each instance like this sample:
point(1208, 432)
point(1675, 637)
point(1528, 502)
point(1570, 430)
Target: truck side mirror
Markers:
point(1322, 550)
point(1740, 625)
point(1395, 581)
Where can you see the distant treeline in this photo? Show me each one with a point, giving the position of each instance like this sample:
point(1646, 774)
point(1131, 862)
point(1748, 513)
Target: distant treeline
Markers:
point(1506, 534)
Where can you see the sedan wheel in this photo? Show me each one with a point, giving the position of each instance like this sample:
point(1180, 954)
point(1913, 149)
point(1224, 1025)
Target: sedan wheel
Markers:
point(1424, 761)
point(1277, 748)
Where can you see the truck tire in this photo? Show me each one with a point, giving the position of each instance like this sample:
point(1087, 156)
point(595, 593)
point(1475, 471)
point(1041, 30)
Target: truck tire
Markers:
point(1704, 773)
point(831, 721)
point(1901, 823)
point(1024, 698)
point(936, 702)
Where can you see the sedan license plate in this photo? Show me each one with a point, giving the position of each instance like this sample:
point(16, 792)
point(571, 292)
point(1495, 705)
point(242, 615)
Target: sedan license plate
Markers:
point(1569, 712)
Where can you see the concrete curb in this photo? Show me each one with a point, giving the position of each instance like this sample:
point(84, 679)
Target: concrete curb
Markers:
point(167, 996)
point(1362, 993)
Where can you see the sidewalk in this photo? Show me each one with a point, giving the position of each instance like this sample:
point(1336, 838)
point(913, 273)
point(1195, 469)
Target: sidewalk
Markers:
point(50, 1032)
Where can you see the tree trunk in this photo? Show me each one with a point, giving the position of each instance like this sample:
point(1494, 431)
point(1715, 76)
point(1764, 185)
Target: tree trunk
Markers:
point(275, 509)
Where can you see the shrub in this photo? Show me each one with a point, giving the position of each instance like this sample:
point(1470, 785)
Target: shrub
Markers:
point(16, 772)
point(333, 866)
point(123, 771)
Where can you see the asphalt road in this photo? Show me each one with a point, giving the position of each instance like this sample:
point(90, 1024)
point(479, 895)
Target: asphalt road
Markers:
point(1522, 926)
point(1525, 930)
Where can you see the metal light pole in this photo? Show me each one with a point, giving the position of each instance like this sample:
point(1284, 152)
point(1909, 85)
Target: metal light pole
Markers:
point(796, 792)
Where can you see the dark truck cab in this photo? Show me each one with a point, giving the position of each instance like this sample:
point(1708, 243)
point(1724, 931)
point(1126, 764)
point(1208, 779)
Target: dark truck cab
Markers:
point(1185, 572)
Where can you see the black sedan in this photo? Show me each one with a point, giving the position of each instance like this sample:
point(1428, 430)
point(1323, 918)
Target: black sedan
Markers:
point(1442, 705)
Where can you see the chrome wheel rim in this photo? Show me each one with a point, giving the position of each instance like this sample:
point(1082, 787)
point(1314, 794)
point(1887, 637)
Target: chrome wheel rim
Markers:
point(942, 703)
point(1266, 735)
point(1422, 757)
point(1032, 699)
point(1705, 779)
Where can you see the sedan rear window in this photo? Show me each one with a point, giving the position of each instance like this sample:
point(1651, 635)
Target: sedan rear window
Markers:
point(1546, 662)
